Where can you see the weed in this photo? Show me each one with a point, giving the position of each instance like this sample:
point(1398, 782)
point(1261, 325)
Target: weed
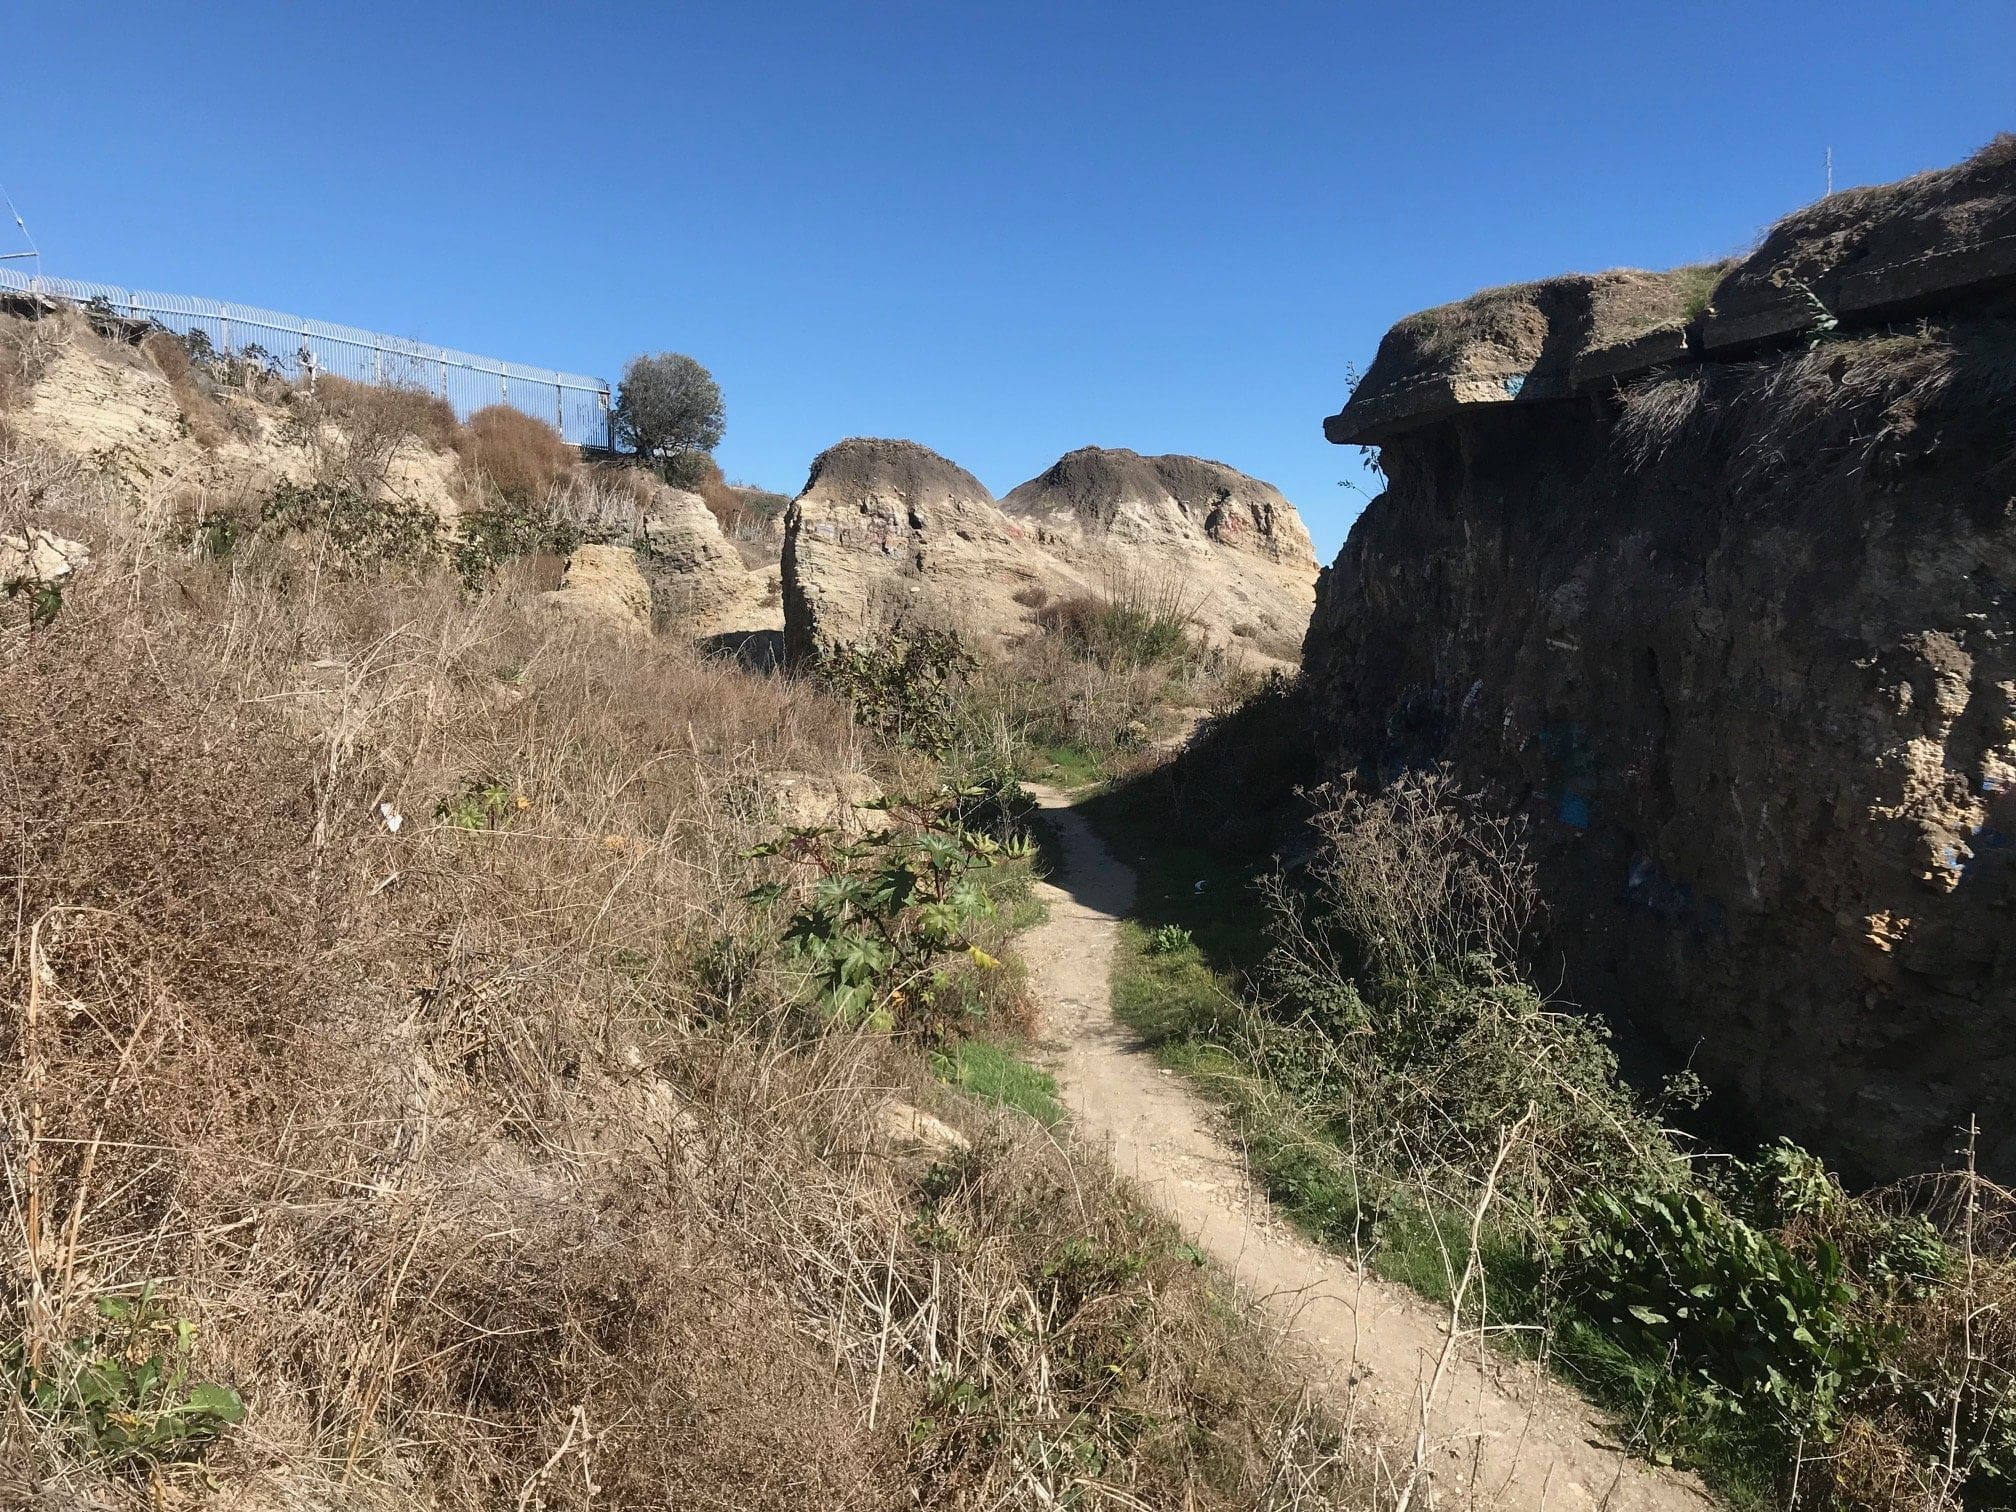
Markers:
point(122, 1392)
point(988, 1070)
point(902, 686)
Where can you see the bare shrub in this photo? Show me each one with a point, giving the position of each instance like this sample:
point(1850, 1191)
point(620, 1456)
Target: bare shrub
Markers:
point(522, 457)
point(1422, 877)
point(357, 430)
point(27, 348)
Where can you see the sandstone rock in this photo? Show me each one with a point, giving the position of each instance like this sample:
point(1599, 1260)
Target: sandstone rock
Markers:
point(1742, 646)
point(699, 583)
point(40, 559)
point(603, 586)
point(1232, 547)
point(913, 1131)
point(890, 532)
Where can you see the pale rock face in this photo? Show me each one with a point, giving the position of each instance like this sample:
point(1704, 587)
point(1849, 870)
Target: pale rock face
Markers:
point(40, 559)
point(890, 532)
point(603, 587)
point(1227, 546)
point(697, 580)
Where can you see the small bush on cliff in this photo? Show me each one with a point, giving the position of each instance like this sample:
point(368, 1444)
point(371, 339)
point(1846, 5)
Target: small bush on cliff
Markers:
point(522, 458)
point(903, 686)
point(1137, 621)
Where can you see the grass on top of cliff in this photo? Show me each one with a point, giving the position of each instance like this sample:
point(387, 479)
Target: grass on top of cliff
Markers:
point(416, 1106)
point(1393, 1079)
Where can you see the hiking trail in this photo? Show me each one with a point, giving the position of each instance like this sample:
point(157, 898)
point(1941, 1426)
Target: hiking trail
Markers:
point(1492, 1432)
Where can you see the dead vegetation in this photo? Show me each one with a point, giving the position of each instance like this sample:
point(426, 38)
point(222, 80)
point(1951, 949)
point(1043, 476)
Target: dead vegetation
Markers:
point(391, 1053)
point(522, 457)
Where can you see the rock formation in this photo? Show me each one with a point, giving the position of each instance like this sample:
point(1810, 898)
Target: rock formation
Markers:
point(698, 580)
point(181, 442)
point(603, 587)
point(1740, 638)
point(889, 531)
point(1236, 547)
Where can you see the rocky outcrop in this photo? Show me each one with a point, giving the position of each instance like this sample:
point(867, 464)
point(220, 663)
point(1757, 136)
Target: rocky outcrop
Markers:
point(698, 581)
point(890, 532)
point(603, 587)
point(1740, 639)
point(1234, 547)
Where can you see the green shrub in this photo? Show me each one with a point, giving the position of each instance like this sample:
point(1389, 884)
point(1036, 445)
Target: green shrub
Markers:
point(878, 917)
point(364, 529)
point(122, 1392)
point(1767, 1332)
point(1168, 939)
point(903, 687)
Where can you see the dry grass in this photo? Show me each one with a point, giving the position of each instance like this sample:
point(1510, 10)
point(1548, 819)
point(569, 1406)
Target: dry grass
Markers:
point(523, 458)
point(488, 1158)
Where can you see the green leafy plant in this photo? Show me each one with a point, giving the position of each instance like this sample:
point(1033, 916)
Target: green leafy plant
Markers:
point(122, 1392)
point(903, 686)
point(484, 804)
point(1766, 1331)
point(45, 600)
point(362, 528)
point(878, 916)
point(1168, 939)
point(488, 538)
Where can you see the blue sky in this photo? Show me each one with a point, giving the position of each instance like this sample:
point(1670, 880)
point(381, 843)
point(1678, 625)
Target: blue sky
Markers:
point(1001, 230)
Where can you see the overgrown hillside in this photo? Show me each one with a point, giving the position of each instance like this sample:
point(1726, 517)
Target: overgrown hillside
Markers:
point(440, 1074)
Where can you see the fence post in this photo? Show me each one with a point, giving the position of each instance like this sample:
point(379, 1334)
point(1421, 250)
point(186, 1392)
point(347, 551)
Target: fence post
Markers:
point(223, 333)
point(444, 377)
point(608, 418)
point(559, 408)
point(377, 361)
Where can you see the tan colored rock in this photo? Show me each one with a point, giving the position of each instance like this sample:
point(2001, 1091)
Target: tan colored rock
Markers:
point(1520, 345)
point(824, 800)
point(911, 1130)
point(889, 532)
point(1226, 547)
point(699, 583)
point(602, 586)
point(40, 559)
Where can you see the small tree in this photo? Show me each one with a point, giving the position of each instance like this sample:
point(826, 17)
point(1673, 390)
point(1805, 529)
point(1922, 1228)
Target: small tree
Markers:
point(669, 409)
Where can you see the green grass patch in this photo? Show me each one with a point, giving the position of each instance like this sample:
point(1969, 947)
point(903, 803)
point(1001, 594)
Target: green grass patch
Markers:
point(982, 1068)
point(1065, 764)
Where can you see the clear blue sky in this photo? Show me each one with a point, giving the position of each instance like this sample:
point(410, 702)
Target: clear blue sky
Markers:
point(1002, 230)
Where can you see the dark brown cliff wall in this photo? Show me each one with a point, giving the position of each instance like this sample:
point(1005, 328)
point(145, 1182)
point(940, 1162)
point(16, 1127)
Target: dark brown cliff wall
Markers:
point(1740, 638)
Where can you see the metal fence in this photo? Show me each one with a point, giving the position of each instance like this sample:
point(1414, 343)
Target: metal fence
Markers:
point(576, 404)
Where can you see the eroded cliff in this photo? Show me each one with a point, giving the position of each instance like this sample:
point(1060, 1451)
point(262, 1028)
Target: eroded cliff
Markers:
point(1723, 595)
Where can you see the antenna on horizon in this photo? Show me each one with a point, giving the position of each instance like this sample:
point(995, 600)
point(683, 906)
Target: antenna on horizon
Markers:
point(33, 253)
point(1830, 170)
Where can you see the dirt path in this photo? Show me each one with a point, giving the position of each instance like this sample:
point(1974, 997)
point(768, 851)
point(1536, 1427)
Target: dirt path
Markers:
point(1498, 1434)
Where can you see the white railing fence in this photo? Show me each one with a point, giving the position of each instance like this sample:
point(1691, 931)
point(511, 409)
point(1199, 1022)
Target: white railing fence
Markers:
point(578, 405)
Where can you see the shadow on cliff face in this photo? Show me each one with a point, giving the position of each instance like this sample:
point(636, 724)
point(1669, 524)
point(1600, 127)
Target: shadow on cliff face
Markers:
point(1740, 641)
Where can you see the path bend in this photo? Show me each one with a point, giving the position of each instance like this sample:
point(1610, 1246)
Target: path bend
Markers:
point(1498, 1432)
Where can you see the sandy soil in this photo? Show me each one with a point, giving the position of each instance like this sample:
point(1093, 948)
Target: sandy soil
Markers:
point(1487, 1431)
